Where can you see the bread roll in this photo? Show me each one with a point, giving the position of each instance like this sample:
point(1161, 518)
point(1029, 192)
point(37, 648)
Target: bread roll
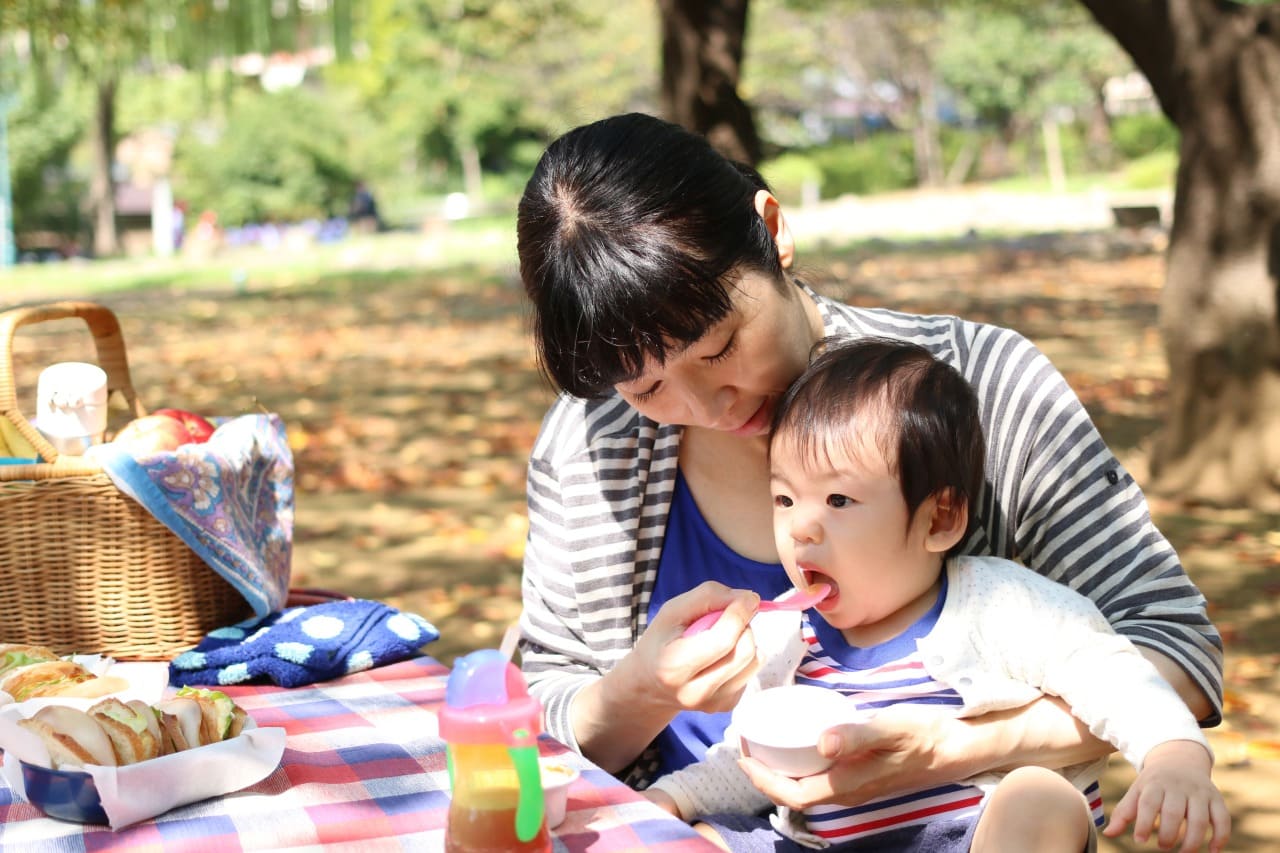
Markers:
point(72, 737)
point(148, 716)
point(47, 678)
point(14, 655)
point(127, 728)
point(180, 723)
point(114, 733)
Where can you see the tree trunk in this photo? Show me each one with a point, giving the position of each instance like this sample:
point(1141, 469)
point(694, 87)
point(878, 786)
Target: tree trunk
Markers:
point(1098, 139)
point(1218, 312)
point(701, 67)
point(926, 133)
point(1221, 440)
point(472, 174)
point(102, 195)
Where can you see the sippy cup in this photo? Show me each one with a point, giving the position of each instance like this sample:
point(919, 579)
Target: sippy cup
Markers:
point(491, 725)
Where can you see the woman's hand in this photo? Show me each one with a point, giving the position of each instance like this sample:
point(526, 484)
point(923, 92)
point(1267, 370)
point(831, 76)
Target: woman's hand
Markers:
point(618, 716)
point(897, 750)
point(707, 672)
point(908, 747)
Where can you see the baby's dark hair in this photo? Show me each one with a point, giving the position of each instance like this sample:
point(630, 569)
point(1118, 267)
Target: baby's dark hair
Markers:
point(929, 427)
point(631, 232)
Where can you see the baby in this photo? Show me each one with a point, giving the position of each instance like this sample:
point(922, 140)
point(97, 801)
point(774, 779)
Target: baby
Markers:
point(876, 456)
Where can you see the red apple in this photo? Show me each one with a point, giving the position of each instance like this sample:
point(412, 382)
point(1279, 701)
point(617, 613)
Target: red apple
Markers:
point(197, 427)
point(152, 433)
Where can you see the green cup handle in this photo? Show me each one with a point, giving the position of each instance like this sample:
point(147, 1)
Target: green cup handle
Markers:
point(531, 807)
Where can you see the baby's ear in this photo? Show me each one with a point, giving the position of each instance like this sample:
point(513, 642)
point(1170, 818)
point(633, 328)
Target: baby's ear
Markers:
point(948, 522)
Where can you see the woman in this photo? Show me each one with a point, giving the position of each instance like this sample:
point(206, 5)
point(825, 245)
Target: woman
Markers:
point(666, 313)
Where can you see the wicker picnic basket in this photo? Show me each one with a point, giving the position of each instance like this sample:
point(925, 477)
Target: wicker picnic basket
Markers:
point(83, 567)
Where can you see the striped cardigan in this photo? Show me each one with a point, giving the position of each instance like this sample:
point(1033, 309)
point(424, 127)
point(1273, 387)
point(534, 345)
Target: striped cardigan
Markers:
point(601, 478)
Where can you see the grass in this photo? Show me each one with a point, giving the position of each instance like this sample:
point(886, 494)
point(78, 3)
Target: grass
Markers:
point(445, 245)
point(409, 386)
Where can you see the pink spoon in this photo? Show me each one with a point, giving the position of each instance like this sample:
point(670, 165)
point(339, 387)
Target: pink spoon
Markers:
point(792, 599)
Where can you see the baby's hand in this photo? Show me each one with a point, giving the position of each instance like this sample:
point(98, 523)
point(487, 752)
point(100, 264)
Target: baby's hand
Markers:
point(1174, 788)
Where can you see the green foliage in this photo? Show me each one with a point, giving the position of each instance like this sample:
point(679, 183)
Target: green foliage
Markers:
point(280, 157)
point(43, 132)
point(1152, 172)
point(879, 163)
point(789, 174)
point(1140, 135)
point(1010, 67)
point(448, 81)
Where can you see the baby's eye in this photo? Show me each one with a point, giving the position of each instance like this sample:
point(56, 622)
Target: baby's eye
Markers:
point(838, 501)
point(782, 501)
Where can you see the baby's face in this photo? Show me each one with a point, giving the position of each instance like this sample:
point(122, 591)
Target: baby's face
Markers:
point(846, 524)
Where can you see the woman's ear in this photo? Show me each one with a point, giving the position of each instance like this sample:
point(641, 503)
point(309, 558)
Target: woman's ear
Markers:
point(948, 521)
point(771, 212)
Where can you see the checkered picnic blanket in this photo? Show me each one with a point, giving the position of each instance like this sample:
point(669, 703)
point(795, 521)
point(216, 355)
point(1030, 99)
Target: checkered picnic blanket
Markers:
point(363, 770)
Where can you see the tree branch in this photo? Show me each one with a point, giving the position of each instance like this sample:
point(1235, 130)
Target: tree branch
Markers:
point(1142, 29)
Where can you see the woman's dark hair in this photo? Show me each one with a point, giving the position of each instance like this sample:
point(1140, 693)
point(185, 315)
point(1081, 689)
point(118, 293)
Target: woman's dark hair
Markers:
point(927, 414)
point(630, 231)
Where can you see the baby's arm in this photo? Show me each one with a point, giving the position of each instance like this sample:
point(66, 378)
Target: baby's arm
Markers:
point(1174, 786)
point(715, 785)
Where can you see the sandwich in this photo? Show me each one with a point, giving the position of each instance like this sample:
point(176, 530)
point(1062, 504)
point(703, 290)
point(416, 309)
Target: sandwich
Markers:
point(14, 655)
point(56, 677)
point(221, 718)
point(73, 737)
point(113, 733)
point(30, 672)
point(148, 716)
point(180, 724)
point(197, 716)
point(131, 728)
point(45, 678)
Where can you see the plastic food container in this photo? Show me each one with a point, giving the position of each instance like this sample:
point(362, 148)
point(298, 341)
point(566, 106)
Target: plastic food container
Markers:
point(557, 778)
point(780, 727)
point(138, 791)
point(64, 794)
point(71, 406)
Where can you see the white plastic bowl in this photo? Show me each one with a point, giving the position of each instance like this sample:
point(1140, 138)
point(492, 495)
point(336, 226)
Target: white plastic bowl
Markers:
point(556, 779)
point(780, 727)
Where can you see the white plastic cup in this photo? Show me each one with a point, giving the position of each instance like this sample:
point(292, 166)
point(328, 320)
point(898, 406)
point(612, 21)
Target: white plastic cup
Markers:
point(71, 406)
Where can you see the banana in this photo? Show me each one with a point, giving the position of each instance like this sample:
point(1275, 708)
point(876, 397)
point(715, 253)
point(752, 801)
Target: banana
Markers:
point(12, 442)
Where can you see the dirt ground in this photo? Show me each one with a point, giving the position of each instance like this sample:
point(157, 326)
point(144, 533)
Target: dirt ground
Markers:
point(412, 400)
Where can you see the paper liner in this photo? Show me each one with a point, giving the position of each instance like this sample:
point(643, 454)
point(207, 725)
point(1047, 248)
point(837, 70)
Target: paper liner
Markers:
point(139, 791)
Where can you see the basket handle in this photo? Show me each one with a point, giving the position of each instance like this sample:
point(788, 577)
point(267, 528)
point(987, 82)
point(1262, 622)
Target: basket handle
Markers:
point(107, 338)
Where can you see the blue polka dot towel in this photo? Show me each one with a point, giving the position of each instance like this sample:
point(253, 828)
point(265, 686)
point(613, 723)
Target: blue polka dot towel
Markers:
point(303, 645)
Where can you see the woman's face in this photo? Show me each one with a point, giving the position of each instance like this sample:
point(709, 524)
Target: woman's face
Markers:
point(732, 378)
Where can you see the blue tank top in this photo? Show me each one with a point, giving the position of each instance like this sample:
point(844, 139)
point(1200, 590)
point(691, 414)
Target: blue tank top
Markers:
point(693, 553)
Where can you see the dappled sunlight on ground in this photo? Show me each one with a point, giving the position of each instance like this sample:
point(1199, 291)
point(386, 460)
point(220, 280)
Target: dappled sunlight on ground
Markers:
point(412, 400)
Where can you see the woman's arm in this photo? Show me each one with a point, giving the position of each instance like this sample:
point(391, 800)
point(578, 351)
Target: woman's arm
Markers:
point(606, 692)
point(1189, 690)
point(1059, 502)
point(610, 711)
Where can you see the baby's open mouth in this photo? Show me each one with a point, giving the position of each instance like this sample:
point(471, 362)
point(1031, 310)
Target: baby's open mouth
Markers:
point(813, 577)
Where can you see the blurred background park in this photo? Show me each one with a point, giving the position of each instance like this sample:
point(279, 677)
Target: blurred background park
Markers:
point(307, 206)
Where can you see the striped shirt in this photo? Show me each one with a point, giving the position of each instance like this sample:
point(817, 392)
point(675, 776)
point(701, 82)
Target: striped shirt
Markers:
point(601, 477)
point(891, 673)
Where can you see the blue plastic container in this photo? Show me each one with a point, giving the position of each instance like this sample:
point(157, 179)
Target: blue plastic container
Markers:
point(64, 794)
